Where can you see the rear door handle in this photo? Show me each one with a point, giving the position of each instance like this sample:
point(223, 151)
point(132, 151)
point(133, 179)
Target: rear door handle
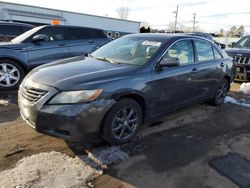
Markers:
point(90, 41)
point(222, 64)
point(62, 44)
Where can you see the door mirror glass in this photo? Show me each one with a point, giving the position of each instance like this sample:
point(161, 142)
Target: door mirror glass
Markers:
point(169, 62)
point(231, 45)
point(39, 38)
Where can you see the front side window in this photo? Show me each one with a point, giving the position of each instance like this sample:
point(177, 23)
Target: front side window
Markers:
point(204, 50)
point(53, 34)
point(183, 50)
point(128, 50)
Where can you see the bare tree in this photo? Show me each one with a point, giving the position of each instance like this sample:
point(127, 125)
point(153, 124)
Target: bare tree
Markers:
point(123, 12)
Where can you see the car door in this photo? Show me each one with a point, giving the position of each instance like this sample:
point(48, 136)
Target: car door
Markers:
point(51, 49)
point(172, 86)
point(209, 68)
point(80, 41)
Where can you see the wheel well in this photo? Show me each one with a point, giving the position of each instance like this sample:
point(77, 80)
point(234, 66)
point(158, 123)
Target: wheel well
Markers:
point(139, 99)
point(229, 81)
point(21, 64)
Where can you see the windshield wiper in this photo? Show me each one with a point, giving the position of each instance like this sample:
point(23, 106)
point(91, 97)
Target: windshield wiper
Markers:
point(105, 59)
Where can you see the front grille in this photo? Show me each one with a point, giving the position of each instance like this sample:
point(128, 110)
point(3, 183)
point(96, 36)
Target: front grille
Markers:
point(242, 60)
point(32, 94)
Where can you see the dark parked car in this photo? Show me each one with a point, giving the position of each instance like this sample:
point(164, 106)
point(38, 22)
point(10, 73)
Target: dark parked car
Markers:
point(10, 30)
point(123, 84)
point(42, 45)
point(240, 51)
point(209, 37)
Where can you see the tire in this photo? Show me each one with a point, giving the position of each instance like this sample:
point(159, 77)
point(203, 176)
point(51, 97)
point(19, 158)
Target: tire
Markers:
point(11, 74)
point(220, 92)
point(122, 122)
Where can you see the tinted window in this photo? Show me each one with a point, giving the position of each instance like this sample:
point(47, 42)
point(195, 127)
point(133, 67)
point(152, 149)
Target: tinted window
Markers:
point(26, 29)
point(204, 50)
point(183, 50)
point(217, 54)
point(10, 30)
point(84, 33)
point(53, 34)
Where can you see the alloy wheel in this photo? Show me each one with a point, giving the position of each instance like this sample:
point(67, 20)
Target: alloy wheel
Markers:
point(125, 123)
point(222, 91)
point(9, 75)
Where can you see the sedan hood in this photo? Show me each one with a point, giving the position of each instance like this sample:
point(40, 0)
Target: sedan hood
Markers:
point(79, 73)
point(240, 51)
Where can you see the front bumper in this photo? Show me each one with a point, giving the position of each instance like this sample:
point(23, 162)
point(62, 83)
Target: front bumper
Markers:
point(242, 72)
point(74, 122)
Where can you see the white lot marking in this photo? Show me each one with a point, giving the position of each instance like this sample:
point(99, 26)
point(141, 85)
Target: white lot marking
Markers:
point(231, 100)
point(245, 88)
point(4, 102)
point(54, 169)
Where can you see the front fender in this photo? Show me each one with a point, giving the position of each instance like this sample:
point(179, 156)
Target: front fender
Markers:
point(20, 56)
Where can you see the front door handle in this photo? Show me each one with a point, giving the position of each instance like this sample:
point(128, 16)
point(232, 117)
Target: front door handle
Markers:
point(62, 45)
point(194, 70)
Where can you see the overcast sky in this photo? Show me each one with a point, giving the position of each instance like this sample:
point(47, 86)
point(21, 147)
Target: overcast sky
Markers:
point(211, 14)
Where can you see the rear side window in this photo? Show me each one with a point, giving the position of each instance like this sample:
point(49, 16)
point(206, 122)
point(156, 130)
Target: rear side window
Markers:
point(10, 30)
point(204, 50)
point(217, 54)
point(84, 33)
point(53, 33)
point(183, 50)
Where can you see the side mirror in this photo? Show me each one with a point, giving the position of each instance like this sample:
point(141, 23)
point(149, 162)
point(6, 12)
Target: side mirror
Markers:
point(39, 38)
point(231, 45)
point(169, 62)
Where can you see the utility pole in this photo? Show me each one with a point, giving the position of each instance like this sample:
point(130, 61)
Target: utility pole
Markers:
point(194, 21)
point(176, 15)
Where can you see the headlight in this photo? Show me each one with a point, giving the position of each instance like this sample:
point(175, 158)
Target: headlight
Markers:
point(69, 97)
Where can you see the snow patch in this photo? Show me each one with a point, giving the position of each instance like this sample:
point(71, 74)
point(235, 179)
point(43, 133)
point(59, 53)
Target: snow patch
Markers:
point(231, 100)
point(54, 169)
point(4, 102)
point(245, 88)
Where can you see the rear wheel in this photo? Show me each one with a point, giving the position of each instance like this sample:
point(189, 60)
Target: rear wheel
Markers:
point(122, 122)
point(11, 74)
point(221, 92)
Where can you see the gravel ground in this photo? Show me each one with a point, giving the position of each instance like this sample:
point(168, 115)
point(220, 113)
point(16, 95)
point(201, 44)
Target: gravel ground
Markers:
point(30, 159)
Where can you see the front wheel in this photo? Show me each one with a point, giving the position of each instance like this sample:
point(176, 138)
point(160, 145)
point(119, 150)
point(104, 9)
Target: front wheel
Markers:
point(220, 92)
point(11, 74)
point(122, 122)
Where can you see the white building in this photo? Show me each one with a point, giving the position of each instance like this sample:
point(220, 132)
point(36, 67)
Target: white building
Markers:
point(43, 16)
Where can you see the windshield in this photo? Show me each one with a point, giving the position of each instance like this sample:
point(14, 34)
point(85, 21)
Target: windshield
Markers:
point(243, 43)
point(128, 50)
point(25, 35)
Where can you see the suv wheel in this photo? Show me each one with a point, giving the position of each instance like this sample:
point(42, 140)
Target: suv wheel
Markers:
point(11, 74)
point(221, 92)
point(122, 122)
